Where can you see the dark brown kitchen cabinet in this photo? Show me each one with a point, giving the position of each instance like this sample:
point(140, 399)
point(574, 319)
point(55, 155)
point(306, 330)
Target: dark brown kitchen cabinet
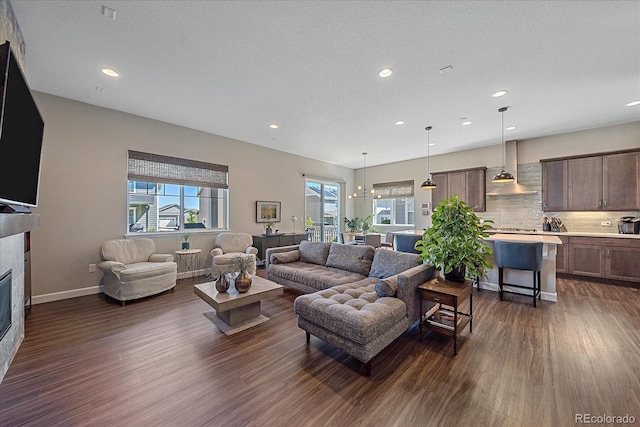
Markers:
point(554, 185)
point(605, 181)
point(612, 258)
point(468, 184)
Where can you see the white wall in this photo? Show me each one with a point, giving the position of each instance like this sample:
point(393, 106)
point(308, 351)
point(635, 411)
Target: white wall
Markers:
point(83, 188)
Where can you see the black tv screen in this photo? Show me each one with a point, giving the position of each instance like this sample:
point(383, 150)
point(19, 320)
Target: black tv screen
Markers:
point(21, 131)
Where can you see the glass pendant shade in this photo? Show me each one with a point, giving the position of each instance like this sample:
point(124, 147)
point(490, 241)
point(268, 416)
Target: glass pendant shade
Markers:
point(428, 184)
point(503, 176)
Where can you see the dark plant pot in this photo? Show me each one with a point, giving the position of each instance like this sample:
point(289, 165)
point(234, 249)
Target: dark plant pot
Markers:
point(268, 231)
point(185, 245)
point(456, 275)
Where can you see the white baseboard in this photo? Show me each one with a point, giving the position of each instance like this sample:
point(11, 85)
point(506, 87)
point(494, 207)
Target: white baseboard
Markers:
point(57, 296)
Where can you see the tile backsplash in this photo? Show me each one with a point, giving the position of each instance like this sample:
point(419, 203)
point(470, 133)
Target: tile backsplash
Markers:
point(525, 210)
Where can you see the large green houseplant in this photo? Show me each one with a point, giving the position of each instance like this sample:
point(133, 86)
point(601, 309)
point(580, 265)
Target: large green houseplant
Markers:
point(454, 243)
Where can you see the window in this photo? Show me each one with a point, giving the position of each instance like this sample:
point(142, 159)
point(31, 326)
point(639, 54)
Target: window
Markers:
point(168, 194)
point(395, 205)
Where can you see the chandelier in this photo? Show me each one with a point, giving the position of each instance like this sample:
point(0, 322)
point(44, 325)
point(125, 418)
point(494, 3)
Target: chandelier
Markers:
point(362, 192)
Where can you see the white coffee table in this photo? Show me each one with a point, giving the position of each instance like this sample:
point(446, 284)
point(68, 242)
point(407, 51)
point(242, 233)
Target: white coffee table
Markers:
point(236, 311)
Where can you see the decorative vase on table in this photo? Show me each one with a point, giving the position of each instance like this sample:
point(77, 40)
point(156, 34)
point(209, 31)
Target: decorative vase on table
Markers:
point(222, 284)
point(243, 282)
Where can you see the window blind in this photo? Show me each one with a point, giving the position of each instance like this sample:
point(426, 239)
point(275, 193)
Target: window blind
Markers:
point(173, 170)
point(393, 190)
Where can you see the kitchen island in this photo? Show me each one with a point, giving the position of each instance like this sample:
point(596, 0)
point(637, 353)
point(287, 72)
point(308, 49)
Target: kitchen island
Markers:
point(524, 278)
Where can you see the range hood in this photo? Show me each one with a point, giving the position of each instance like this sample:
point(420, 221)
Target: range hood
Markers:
point(510, 188)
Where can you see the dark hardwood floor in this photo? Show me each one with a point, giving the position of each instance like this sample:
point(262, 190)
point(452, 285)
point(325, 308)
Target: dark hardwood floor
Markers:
point(162, 362)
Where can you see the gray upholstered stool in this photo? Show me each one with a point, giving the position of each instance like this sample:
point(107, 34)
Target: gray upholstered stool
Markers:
point(519, 256)
point(407, 243)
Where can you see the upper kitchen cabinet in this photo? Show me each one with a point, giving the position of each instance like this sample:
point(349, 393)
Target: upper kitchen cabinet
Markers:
point(554, 185)
point(607, 181)
point(468, 184)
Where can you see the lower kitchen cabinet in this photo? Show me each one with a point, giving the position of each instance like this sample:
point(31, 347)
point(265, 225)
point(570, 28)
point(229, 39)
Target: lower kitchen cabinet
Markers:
point(612, 258)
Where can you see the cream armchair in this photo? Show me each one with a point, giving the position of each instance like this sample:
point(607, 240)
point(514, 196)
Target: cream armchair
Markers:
point(229, 245)
point(132, 270)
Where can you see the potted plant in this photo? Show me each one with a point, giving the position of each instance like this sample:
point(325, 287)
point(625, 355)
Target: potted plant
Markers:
point(268, 228)
point(353, 224)
point(455, 242)
point(240, 265)
point(185, 240)
point(366, 224)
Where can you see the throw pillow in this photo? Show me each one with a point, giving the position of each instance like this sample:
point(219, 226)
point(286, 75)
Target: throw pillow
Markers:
point(354, 258)
point(285, 257)
point(314, 252)
point(387, 287)
point(389, 263)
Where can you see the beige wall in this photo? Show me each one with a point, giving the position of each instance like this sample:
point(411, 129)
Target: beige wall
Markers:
point(603, 139)
point(83, 188)
point(83, 197)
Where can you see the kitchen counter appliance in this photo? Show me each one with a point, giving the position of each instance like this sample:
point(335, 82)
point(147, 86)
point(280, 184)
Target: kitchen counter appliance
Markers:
point(629, 225)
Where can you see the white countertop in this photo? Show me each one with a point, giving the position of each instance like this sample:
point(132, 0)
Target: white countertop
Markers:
point(572, 234)
point(527, 238)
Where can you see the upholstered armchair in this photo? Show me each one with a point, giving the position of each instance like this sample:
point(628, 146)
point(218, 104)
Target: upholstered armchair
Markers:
point(133, 270)
point(229, 245)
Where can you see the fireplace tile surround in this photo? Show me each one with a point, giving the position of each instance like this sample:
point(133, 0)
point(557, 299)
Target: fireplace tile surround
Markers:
point(12, 229)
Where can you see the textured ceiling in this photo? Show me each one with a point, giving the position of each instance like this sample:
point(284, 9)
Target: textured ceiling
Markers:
point(233, 67)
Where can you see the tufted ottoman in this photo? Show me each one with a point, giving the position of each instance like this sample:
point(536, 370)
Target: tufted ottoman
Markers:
point(353, 317)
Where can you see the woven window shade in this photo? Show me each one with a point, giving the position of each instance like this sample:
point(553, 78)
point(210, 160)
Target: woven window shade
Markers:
point(393, 190)
point(173, 170)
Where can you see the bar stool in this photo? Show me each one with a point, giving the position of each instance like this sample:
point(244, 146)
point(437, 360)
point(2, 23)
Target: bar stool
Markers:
point(519, 256)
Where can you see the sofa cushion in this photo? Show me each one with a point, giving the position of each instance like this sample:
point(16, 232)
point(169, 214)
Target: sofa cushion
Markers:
point(314, 252)
point(354, 258)
point(389, 263)
point(351, 311)
point(234, 242)
point(285, 257)
point(313, 275)
point(387, 287)
point(146, 270)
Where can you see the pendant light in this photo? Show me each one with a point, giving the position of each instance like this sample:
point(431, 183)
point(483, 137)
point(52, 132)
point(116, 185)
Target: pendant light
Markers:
point(362, 192)
point(503, 176)
point(428, 184)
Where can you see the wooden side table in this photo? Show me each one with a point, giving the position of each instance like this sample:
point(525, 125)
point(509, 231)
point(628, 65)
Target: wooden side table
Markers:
point(188, 262)
point(450, 294)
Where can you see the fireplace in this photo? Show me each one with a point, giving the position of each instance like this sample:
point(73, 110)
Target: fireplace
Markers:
point(5, 303)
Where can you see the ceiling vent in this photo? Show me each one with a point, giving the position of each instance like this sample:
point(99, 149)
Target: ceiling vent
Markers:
point(511, 188)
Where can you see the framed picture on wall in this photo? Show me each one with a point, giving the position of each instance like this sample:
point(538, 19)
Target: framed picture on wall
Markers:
point(267, 211)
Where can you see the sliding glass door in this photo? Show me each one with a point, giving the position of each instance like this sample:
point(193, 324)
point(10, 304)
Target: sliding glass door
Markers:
point(322, 210)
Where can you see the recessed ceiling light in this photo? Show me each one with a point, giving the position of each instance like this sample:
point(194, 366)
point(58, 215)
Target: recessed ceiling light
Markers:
point(399, 122)
point(466, 122)
point(385, 72)
point(273, 126)
point(499, 93)
point(510, 128)
point(431, 144)
point(109, 72)
point(633, 103)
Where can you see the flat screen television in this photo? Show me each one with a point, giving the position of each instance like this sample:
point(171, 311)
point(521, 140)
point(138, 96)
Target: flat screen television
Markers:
point(21, 132)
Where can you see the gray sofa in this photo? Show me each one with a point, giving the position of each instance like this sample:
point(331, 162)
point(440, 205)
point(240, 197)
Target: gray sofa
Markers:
point(358, 298)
